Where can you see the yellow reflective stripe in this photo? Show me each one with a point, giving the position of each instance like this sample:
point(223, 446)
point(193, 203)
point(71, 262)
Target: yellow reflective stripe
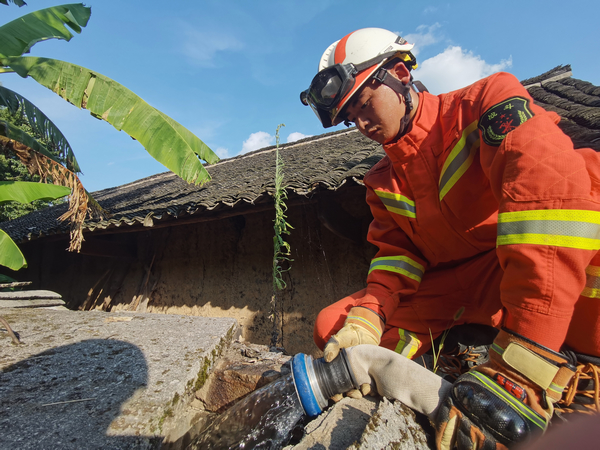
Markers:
point(590, 293)
point(592, 282)
point(399, 264)
point(397, 203)
point(593, 271)
point(366, 322)
point(570, 228)
point(460, 159)
point(408, 343)
point(552, 240)
point(568, 215)
point(556, 388)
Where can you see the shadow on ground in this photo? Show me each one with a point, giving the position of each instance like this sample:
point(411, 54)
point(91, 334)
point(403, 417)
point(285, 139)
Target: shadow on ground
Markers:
point(70, 397)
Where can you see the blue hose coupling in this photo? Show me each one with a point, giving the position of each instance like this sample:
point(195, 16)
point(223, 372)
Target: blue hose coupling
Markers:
point(316, 381)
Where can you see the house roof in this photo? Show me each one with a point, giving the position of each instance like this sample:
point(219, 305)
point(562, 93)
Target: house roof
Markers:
point(328, 162)
point(325, 162)
point(576, 101)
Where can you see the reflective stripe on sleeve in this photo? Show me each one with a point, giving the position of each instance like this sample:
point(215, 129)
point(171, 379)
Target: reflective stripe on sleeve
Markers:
point(572, 228)
point(396, 203)
point(592, 282)
point(408, 344)
point(399, 264)
point(460, 159)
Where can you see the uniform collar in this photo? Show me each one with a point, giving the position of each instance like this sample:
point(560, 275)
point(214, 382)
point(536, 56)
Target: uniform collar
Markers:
point(420, 126)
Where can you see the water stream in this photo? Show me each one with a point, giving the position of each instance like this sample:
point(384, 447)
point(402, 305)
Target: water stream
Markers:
point(264, 419)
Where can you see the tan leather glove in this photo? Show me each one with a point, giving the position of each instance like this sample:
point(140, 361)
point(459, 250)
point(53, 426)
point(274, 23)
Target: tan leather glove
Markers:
point(362, 326)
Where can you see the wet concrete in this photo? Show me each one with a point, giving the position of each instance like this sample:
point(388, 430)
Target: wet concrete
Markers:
point(101, 380)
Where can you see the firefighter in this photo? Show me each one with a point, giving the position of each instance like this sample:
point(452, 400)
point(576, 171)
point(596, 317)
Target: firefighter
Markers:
point(483, 213)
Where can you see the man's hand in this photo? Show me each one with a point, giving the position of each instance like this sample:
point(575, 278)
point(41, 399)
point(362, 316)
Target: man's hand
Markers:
point(362, 326)
point(505, 401)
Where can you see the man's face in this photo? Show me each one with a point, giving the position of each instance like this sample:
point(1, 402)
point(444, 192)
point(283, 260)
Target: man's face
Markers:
point(376, 110)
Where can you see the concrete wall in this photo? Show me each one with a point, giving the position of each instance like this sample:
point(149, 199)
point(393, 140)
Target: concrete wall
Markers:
point(220, 268)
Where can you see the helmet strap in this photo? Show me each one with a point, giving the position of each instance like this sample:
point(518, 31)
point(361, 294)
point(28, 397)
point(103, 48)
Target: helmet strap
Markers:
point(382, 75)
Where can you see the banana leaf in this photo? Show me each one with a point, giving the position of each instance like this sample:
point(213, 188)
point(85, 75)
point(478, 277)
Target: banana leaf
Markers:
point(26, 191)
point(167, 141)
point(10, 255)
point(19, 3)
point(18, 36)
point(41, 125)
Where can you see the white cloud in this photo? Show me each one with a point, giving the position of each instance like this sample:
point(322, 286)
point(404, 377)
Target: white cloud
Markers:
point(424, 36)
point(257, 140)
point(222, 152)
point(295, 136)
point(202, 46)
point(455, 68)
point(430, 9)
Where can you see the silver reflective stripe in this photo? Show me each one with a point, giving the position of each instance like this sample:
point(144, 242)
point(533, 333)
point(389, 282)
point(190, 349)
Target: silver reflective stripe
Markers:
point(570, 228)
point(557, 227)
point(397, 203)
point(400, 205)
point(399, 264)
point(592, 282)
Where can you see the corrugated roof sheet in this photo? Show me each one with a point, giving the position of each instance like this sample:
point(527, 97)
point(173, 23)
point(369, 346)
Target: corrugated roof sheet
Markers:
point(327, 162)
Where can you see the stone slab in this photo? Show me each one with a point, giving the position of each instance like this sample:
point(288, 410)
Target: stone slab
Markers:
point(101, 380)
point(365, 424)
point(24, 295)
point(31, 303)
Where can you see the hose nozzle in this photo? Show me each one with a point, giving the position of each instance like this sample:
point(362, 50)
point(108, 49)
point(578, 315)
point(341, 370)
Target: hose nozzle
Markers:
point(316, 381)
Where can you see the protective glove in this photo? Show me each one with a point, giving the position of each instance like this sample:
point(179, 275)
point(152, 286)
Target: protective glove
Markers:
point(362, 326)
point(506, 400)
point(365, 389)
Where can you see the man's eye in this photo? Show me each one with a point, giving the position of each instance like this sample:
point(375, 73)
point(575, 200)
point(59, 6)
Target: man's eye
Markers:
point(365, 104)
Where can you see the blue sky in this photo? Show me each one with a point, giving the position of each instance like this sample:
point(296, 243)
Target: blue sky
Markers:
point(231, 71)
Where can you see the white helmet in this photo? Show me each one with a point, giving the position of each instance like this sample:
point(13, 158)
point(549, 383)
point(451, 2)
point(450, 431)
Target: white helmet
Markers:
point(347, 64)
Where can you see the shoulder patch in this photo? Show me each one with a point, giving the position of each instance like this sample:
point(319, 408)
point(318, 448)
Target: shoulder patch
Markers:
point(502, 118)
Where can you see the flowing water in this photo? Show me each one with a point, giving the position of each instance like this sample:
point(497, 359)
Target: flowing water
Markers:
point(264, 419)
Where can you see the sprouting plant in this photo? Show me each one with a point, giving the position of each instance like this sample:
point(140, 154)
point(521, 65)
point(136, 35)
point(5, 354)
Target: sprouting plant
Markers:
point(281, 249)
point(436, 354)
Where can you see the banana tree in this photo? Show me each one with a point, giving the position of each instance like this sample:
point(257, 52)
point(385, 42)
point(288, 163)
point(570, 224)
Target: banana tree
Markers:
point(23, 192)
point(166, 140)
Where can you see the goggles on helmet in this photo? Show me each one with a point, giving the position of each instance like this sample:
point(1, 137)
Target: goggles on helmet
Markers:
point(331, 85)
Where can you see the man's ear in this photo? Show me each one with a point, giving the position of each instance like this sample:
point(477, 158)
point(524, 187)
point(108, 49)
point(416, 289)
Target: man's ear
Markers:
point(401, 72)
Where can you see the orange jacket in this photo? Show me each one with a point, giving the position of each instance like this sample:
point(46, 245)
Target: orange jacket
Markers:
point(484, 167)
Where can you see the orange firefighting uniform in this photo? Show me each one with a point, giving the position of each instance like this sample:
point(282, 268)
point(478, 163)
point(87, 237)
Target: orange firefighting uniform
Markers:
point(483, 204)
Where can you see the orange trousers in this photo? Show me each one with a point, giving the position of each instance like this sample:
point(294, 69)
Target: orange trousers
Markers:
point(474, 285)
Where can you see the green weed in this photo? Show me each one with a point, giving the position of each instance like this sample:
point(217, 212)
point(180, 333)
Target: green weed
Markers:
point(436, 354)
point(281, 249)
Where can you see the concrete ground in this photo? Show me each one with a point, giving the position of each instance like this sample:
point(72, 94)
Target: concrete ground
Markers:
point(98, 380)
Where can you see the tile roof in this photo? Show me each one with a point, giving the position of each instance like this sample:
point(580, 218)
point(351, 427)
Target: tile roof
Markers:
point(323, 162)
point(328, 161)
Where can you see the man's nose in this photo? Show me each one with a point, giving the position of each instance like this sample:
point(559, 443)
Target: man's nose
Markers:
point(361, 122)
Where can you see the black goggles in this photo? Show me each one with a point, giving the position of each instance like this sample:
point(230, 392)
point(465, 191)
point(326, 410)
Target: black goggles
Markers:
point(331, 85)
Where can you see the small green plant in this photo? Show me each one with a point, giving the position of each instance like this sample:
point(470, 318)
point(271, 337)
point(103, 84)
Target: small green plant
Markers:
point(281, 249)
point(436, 354)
